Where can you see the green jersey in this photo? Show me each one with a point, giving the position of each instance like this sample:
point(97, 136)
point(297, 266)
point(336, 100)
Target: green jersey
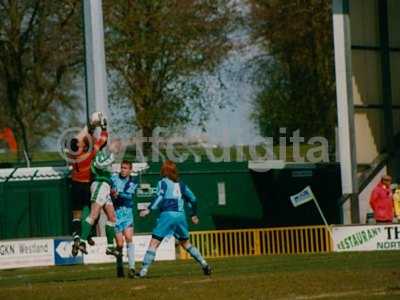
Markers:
point(101, 166)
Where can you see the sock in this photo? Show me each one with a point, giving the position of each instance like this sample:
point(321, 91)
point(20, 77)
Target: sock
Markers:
point(93, 231)
point(148, 260)
point(85, 228)
point(110, 233)
point(120, 265)
point(131, 255)
point(85, 214)
point(76, 228)
point(196, 255)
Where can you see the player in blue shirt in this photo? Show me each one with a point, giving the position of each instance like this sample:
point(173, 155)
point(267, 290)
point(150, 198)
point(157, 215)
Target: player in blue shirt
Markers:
point(122, 192)
point(170, 200)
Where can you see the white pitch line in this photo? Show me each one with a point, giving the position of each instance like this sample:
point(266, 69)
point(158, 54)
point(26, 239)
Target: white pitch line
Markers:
point(376, 292)
point(21, 276)
point(139, 287)
point(197, 281)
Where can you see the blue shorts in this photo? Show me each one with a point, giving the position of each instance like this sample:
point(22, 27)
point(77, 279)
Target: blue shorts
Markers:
point(124, 216)
point(171, 223)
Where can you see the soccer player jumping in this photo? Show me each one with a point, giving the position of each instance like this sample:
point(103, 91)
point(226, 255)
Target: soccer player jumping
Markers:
point(170, 199)
point(83, 149)
point(101, 199)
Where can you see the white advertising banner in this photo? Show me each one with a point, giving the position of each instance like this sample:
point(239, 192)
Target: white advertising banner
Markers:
point(366, 238)
point(97, 253)
point(26, 253)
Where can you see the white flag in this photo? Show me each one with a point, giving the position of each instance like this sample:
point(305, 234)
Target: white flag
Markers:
point(304, 196)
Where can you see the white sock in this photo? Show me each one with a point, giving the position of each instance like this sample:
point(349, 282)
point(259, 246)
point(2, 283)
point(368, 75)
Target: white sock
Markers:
point(131, 255)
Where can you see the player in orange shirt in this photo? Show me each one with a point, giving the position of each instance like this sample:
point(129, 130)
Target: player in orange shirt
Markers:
point(83, 149)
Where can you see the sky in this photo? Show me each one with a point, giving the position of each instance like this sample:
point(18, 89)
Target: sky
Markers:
point(226, 126)
point(232, 124)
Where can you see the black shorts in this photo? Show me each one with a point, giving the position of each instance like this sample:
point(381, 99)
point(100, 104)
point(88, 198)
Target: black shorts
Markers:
point(80, 195)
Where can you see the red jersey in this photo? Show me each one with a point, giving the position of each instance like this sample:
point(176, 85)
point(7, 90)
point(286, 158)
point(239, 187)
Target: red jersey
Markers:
point(382, 203)
point(81, 167)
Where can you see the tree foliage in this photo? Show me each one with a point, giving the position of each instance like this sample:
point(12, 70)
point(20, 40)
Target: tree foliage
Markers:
point(156, 51)
point(296, 73)
point(40, 49)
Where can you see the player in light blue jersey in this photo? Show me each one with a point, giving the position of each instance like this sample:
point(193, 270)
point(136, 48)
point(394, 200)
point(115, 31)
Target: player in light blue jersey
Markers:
point(170, 200)
point(123, 189)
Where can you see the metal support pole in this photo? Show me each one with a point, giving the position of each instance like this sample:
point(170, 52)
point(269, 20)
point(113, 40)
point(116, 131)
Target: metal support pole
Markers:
point(95, 66)
point(96, 77)
point(345, 108)
point(386, 80)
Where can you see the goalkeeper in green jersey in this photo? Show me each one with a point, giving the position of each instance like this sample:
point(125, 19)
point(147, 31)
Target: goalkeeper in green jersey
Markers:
point(101, 199)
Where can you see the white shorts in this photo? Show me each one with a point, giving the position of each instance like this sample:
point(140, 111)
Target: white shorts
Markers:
point(100, 193)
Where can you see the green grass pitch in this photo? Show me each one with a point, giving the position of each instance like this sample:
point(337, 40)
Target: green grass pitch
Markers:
point(367, 275)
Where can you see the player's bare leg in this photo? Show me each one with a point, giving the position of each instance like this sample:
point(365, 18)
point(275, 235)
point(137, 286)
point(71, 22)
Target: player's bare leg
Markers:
point(76, 222)
point(126, 235)
point(119, 237)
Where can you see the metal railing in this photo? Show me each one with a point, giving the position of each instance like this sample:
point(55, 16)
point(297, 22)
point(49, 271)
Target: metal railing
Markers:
point(267, 241)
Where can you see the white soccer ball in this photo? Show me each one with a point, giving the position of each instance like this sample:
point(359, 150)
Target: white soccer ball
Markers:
point(95, 118)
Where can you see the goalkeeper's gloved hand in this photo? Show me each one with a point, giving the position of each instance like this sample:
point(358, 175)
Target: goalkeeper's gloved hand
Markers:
point(103, 123)
point(91, 128)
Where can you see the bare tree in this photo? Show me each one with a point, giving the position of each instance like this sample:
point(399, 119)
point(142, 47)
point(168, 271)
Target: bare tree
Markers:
point(296, 72)
point(40, 49)
point(156, 50)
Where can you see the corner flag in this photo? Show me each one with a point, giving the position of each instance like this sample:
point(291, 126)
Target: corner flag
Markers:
point(304, 196)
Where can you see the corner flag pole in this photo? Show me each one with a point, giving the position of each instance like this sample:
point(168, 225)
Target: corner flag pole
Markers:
point(323, 217)
point(321, 213)
point(306, 195)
